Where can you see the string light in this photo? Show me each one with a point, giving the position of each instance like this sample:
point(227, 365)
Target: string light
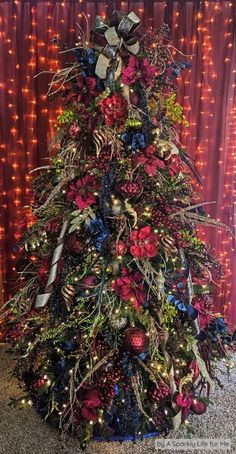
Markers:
point(22, 148)
point(201, 143)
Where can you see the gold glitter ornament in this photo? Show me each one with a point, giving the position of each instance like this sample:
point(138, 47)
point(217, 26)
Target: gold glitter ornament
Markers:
point(118, 322)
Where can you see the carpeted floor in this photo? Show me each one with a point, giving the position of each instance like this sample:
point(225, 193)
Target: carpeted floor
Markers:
point(23, 432)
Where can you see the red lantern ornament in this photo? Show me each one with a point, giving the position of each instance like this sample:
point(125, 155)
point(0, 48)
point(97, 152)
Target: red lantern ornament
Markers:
point(198, 407)
point(130, 189)
point(119, 249)
point(135, 341)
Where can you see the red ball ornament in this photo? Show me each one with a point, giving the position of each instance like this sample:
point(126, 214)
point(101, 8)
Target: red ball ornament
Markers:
point(198, 407)
point(88, 282)
point(134, 98)
point(135, 341)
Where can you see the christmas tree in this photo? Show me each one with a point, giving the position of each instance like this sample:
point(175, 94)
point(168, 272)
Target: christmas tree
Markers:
point(114, 324)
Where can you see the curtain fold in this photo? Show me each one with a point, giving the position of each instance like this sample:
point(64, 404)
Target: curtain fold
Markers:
point(205, 30)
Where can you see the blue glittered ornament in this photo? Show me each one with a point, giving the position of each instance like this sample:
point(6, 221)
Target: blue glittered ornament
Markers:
point(98, 232)
point(135, 139)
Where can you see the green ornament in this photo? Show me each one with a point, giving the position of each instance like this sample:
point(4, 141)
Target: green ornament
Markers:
point(133, 123)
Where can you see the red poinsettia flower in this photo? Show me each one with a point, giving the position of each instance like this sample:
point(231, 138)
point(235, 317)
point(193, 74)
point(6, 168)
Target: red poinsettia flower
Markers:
point(184, 400)
point(82, 192)
point(174, 165)
point(114, 109)
point(143, 243)
point(87, 89)
point(130, 288)
point(149, 161)
point(89, 404)
point(138, 70)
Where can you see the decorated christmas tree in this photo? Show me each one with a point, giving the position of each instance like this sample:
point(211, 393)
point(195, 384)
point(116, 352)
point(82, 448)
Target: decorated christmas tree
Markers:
point(114, 324)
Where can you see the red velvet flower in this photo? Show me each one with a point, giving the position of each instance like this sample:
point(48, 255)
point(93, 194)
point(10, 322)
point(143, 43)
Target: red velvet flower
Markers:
point(143, 243)
point(174, 164)
point(138, 70)
point(149, 161)
point(89, 404)
point(184, 400)
point(82, 192)
point(114, 109)
point(130, 288)
point(87, 89)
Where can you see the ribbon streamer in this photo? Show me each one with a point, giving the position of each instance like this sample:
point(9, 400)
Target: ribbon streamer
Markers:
point(42, 299)
point(176, 420)
point(190, 288)
point(201, 364)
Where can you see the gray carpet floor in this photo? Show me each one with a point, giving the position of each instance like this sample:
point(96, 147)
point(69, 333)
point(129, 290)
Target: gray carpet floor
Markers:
point(23, 432)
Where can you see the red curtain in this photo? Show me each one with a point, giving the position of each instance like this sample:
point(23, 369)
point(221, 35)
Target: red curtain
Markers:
point(204, 29)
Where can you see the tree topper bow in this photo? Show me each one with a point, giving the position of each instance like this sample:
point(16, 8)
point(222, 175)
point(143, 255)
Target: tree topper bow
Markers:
point(118, 33)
